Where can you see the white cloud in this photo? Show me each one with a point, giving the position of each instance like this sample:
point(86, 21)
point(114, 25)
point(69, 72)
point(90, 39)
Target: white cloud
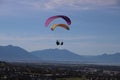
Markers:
point(12, 7)
point(79, 4)
point(44, 38)
point(55, 4)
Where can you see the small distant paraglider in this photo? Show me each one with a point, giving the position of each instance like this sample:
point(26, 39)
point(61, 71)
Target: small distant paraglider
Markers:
point(54, 26)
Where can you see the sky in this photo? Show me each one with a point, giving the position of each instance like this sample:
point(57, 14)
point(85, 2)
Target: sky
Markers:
point(95, 27)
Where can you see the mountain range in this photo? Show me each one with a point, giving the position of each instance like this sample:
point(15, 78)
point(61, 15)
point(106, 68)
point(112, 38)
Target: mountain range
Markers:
point(15, 53)
point(18, 54)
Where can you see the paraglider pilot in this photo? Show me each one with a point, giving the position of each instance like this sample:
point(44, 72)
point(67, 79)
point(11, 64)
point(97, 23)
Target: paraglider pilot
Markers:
point(61, 43)
point(57, 43)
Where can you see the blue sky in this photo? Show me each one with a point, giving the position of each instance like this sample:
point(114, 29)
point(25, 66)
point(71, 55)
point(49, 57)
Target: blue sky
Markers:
point(95, 27)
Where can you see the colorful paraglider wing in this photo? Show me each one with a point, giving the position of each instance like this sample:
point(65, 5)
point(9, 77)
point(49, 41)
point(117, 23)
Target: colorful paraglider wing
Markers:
point(60, 25)
point(58, 16)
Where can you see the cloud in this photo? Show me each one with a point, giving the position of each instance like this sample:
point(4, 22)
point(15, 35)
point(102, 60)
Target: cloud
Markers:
point(44, 38)
point(79, 4)
point(12, 7)
point(57, 4)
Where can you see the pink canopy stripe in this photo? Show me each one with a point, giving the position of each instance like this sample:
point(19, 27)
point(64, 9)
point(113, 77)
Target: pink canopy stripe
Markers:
point(50, 19)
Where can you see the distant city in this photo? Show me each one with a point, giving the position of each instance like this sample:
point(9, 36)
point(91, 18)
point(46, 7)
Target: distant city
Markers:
point(47, 71)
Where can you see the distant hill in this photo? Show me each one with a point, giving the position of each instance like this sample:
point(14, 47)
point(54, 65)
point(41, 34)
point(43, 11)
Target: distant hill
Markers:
point(14, 53)
point(107, 58)
point(65, 55)
point(17, 54)
point(57, 55)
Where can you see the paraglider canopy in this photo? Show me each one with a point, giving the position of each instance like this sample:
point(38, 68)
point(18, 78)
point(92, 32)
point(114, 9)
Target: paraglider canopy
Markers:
point(50, 19)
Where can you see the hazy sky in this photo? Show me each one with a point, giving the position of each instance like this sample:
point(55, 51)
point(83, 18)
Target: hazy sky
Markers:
point(95, 27)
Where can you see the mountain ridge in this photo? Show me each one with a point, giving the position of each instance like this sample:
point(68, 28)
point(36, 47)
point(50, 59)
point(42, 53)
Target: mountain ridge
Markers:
point(15, 53)
point(57, 54)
